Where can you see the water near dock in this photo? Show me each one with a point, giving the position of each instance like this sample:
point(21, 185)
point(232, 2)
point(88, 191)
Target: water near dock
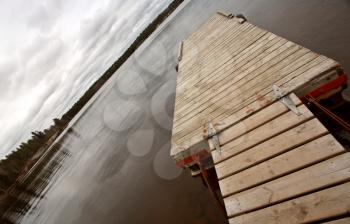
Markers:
point(113, 165)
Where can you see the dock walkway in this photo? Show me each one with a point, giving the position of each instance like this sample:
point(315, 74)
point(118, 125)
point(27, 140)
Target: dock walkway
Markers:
point(275, 161)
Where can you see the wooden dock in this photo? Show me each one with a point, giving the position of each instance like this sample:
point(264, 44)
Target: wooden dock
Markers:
point(227, 72)
point(284, 168)
point(275, 161)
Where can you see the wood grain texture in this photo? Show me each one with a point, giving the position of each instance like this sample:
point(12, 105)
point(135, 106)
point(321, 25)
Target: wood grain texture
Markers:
point(226, 73)
point(324, 204)
point(298, 158)
point(327, 173)
point(297, 136)
point(243, 83)
point(256, 136)
point(192, 132)
point(254, 121)
point(259, 49)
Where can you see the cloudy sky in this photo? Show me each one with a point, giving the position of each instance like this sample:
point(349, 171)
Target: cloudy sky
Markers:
point(51, 51)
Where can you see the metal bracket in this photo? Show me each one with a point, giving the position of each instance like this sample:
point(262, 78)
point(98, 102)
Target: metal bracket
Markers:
point(241, 18)
point(286, 100)
point(228, 15)
point(214, 137)
point(179, 54)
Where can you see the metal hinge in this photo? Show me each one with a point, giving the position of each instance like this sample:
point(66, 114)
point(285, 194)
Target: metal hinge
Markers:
point(284, 98)
point(214, 137)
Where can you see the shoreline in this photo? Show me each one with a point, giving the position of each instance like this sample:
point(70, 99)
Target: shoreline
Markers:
point(43, 155)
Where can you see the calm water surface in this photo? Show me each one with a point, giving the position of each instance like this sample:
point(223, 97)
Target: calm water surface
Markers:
point(113, 165)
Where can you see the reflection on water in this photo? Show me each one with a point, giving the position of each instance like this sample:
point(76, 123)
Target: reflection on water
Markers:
point(32, 189)
point(114, 166)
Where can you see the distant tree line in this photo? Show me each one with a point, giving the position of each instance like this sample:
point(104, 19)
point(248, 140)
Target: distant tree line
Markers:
point(21, 159)
point(15, 163)
point(116, 65)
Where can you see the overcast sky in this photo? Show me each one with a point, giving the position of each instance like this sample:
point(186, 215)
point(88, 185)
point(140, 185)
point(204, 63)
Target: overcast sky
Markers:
point(51, 51)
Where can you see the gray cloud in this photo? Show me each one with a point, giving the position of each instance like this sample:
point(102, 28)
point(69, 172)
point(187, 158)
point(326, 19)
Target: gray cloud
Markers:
point(55, 51)
point(44, 14)
point(44, 59)
point(7, 70)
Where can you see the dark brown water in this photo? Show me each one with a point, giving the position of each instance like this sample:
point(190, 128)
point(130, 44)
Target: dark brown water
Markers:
point(113, 166)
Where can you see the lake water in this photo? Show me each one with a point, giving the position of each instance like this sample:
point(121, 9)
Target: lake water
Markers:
point(113, 165)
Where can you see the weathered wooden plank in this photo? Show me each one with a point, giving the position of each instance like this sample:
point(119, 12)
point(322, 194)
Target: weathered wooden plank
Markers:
point(188, 143)
point(211, 29)
point(206, 29)
point(292, 81)
point(324, 204)
point(292, 77)
point(212, 42)
point(217, 105)
point(268, 43)
point(210, 84)
point(319, 176)
point(192, 131)
point(220, 35)
point(223, 25)
point(201, 66)
point(248, 110)
point(298, 158)
point(297, 136)
point(272, 128)
point(210, 63)
point(241, 100)
point(317, 82)
point(254, 121)
point(291, 60)
point(219, 75)
point(210, 68)
point(220, 49)
point(238, 84)
point(223, 34)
